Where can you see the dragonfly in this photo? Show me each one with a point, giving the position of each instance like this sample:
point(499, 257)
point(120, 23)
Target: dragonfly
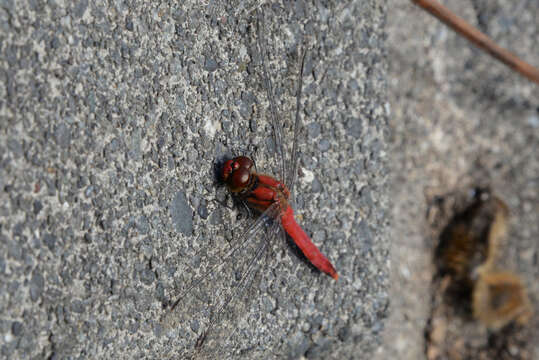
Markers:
point(266, 195)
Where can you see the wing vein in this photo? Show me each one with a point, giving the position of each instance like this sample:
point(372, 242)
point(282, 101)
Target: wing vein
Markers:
point(249, 233)
point(294, 167)
point(277, 129)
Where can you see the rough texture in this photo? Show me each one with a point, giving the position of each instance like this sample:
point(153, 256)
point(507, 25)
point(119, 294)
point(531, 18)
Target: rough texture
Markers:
point(112, 118)
point(459, 119)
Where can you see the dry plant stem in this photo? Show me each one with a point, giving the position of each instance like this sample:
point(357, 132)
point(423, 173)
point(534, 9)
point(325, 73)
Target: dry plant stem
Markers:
point(479, 39)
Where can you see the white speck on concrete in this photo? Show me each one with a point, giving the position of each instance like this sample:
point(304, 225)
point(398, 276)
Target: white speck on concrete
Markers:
point(308, 175)
point(210, 128)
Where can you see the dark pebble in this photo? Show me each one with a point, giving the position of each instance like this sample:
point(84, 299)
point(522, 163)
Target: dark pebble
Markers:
point(216, 217)
point(323, 145)
point(36, 286)
point(316, 186)
point(143, 226)
point(77, 306)
point(15, 147)
point(80, 8)
point(364, 231)
point(203, 211)
point(181, 213)
point(62, 135)
point(16, 328)
point(354, 127)
point(14, 249)
point(50, 241)
point(313, 130)
point(147, 276)
point(37, 207)
point(344, 333)
point(129, 25)
point(210, 65)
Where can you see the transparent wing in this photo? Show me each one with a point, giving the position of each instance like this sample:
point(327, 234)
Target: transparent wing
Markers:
point(246, 237)
point(204, 299)
point(250, 264)
point(244, 283)
point(276, 124)
point(291, 177)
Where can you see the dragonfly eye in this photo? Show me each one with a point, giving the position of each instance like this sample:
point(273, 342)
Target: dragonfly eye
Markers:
point(244, 162)
point(239, 179)
point(237, 173)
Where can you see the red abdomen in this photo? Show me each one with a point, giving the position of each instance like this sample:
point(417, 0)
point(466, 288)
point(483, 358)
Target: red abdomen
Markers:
point(303, 241)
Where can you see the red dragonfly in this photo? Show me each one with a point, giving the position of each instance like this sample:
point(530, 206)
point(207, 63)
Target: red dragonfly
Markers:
point(266, 195)
point(262, 192)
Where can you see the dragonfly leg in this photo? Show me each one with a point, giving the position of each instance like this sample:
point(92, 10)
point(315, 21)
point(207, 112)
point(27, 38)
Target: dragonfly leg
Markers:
point(222, 203)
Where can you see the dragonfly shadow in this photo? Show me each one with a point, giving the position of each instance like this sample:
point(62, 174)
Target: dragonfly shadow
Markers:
point(218, 165)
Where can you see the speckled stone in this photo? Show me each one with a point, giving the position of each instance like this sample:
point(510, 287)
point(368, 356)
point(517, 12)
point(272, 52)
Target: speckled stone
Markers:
point(113, 118)
point(181, 213)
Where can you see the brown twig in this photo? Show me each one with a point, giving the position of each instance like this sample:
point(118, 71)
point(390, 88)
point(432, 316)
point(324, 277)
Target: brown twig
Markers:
point(479, 39)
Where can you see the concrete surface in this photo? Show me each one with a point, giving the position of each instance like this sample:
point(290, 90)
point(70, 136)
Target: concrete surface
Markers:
point(458, 119)
point(112, 118)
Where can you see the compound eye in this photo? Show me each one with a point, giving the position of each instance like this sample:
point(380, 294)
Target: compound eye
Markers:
point(244, 162)
point(239, 179)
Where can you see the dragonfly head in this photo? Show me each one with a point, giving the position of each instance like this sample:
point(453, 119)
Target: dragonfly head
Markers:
point(237, 173)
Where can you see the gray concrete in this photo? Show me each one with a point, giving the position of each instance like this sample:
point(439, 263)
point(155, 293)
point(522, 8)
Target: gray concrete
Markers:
point(458, 119)
point(112, 118)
